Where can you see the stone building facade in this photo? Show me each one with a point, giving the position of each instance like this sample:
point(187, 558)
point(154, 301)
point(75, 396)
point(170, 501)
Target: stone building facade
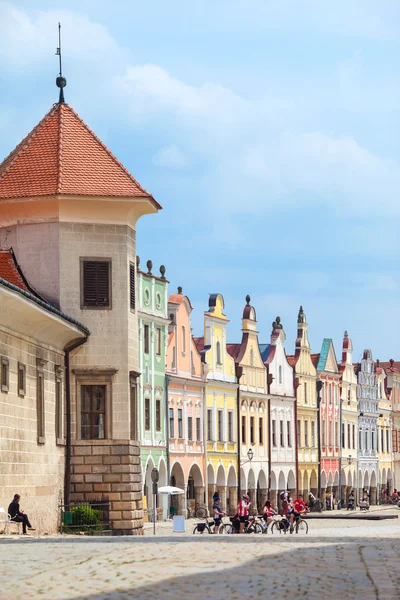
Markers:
point(152, 311)
point(384, 441)
point(72, 224)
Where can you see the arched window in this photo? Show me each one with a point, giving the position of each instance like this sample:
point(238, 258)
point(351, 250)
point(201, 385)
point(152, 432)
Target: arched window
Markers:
point(280, 374)
point(219, 361)
point(183, 339)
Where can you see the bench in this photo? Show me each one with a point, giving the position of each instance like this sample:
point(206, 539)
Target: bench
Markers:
point(7, 522)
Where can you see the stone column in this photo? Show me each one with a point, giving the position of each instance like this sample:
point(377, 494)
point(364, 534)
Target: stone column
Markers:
point(233, 500)
point(253, 499)
point(372, 495)
point(211, 490)
point(344, 495)
point(222, 492)
point(199, 496)
point(323, 497)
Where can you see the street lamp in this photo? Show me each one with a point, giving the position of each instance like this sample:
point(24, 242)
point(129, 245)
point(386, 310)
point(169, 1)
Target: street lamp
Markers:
point(250, 454)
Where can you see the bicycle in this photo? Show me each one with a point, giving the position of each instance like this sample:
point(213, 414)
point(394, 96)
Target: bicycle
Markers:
point(198, 512)
point(253, 525)
point(282, 525)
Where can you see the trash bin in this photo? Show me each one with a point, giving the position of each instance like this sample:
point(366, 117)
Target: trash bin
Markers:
point(178, 524)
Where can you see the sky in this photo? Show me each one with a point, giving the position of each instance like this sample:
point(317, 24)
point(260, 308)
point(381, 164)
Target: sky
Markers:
point(268, 131)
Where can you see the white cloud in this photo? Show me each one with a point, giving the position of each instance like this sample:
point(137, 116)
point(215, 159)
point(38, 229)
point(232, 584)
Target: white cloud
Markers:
point(170, 157)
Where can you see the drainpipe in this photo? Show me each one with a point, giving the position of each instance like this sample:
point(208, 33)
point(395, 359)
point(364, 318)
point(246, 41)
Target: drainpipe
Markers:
point(239, 373)
point(296, 387)
point(67, 475)
point(319, 388)
point(167, 381)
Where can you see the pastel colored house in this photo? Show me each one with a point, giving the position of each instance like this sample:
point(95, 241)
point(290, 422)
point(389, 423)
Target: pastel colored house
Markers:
point(305, 375)
point(283, 455)
point(254, 408)
point(221, 406)
point(329, 376)
point(186, 383)
point(152, 313)
point(385, 428)
point(392, 369)
point(348, 479)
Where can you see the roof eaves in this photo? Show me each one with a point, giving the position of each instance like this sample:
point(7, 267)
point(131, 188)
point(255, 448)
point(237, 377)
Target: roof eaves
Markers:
point(44, 305)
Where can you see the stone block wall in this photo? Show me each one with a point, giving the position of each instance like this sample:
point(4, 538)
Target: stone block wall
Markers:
point(109, 470)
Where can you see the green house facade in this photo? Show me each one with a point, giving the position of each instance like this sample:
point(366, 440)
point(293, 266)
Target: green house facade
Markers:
point(152, 304)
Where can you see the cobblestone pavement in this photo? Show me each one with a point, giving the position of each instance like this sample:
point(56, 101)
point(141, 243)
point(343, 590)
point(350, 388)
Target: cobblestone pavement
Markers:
point(337, 559)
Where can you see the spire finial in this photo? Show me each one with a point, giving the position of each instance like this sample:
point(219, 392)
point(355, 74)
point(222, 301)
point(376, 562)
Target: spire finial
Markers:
point(301, 317)
point(61, 82)
point(248, 300)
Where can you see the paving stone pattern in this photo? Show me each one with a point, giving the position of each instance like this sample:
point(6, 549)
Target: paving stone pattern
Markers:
point(340, 559)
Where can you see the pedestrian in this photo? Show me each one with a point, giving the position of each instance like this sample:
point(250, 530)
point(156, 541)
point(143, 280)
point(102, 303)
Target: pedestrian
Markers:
point(18, 516)
point(218, 514)
point(243, 511)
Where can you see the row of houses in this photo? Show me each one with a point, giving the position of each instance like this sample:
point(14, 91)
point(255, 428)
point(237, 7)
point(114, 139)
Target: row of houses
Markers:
point(102, 380)
point(251, 417)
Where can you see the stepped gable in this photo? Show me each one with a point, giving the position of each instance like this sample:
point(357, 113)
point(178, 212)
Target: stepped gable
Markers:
point(61, 155)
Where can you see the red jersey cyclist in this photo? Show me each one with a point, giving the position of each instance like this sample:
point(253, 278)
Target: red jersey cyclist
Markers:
point(299, 508)
point(268, 512)
point(243, 511)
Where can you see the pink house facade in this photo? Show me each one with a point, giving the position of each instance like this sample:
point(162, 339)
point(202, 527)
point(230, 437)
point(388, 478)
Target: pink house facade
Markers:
point(185, 407)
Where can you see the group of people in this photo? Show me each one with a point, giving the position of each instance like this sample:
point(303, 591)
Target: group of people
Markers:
point(290, 509)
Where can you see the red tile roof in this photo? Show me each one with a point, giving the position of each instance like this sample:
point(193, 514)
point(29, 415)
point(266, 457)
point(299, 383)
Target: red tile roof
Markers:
point(233, 350)
point(9, 270)
point(391, 366)
point(61, 155)
point(199, 343)
point(315, 359)
point(292, 359)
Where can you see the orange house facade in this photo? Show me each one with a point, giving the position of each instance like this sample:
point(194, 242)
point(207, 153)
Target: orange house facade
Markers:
point(185, 408)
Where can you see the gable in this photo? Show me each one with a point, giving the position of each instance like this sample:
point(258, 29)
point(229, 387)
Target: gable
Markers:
point(327, 359)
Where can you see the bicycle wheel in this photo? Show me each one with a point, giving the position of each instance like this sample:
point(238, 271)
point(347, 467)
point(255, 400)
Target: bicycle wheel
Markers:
point(201, 512)
point(275, 529)
point(257, 528)
point(199, 529)
point(301, 526)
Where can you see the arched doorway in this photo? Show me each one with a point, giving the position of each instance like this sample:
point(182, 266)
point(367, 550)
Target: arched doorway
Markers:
point(148, 507)
point(243, 482)
point(210, 485)
point(262, 490)
point(252, 489)
point(314, 483)
point(162, 499)
point(178, 501)
point(221, 485)
point(195, 488)
point(345, 491)
point(291, 483)
point(390, 481)
point(373, 488)
point(273, 492)
point(232, 494)
point(383, 490)
point(323, 483)
point(335, 488)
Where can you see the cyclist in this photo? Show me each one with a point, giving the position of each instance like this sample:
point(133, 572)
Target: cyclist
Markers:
point(298, 507)
point(218, 514)
point(243, 511)
point(268, 512)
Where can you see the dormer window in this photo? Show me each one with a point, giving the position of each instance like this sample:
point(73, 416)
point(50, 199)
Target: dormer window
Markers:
point(219, 360)
point(183, 339)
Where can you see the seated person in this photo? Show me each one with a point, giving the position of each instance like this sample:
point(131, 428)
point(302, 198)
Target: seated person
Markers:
point(18, 515)
point(364, 504)
point(298, 508)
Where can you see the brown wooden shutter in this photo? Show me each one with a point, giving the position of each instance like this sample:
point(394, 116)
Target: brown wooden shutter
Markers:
point(132, 285)
point(96, 283)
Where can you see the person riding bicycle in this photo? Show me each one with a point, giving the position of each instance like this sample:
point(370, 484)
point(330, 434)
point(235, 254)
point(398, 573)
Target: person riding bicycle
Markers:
point(243, 511)
point(268, 512)
point(298, 507)
point(218, 514)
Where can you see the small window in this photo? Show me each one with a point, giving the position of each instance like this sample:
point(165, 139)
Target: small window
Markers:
point(171, 423)
point(274, 433)
point(132, 291)
point(21, 380)
point(323, 432)
point(387, 441)
point(305, 394)
point(158, 341)
point(219, 360)
point(373, 440)
point(173, 365)
point(158, 415)
point(252, 357)
point(5, 375)
point(354, 437)
point(147, 414)
point(220, 426)
point(59, 404)
point(158, 300)
point(299, 433)
point(190, 429)
point(93, 412)
point(306, 434)
point(230, 426)
point(261, 431)
point(348, 436)
point(366, 440)
point(96, 289)
point(289, 433)
point(360, 439)
point(280, 374)
point(252, 433)
point(146, 335)
point(244, 429)
point(198, 429)
point(183, 339)
point(180, 424)
point(312, 434)
point(281, 434)
point(40, 406)
point(192, 367)
point(209, 425)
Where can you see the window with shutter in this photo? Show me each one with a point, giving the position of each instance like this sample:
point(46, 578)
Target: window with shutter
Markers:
point(96, 289)
point(132, 285)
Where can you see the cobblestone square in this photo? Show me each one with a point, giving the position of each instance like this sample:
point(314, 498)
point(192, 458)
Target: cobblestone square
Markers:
point(337, 559)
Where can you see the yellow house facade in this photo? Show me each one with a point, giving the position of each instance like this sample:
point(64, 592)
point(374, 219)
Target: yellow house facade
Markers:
point(220, 407)
point(305, 374)
point(254, 467)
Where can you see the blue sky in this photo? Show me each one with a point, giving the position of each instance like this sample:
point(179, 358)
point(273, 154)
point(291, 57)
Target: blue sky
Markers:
point(269, 133)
